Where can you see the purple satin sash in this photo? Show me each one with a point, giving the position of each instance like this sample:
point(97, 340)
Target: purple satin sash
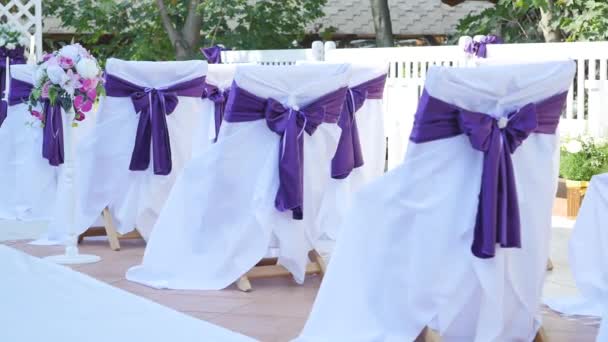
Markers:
point(152, 105)
point(290, 124)
point(498, 220)
point(15, 57)
point(52, 133)
point(219, 98)
point(19, 92)
point(213, 54)
point(479, 48)
point(348, 154)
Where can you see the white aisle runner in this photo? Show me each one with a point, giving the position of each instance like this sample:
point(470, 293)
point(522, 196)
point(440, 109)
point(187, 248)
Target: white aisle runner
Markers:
point(40, 301)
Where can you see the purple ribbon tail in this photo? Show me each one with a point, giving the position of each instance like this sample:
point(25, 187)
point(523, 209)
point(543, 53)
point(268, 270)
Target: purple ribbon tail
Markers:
point(3, 104)
point(52, 134)
point(348, 155)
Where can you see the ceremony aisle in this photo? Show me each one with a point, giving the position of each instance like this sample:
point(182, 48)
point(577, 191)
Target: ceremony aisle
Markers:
point(277, 308)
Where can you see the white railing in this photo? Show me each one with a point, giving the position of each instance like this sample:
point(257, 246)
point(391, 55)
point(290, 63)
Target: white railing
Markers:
point(587, 103)
point(275, 57)
point(26, 15)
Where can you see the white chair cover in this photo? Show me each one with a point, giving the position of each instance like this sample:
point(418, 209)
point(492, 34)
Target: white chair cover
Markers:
point(27, 180)
point(403, 259)
point(589, 249)
point(370, 124)
point(220, 217)
point(103, 178)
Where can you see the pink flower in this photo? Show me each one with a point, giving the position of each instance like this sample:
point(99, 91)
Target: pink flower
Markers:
point(66, 62)
point(47, 56)
point(92, 94)
point(45, 90)
point(89, 83)
point(73, 82)
point(82, 105)
point(79, 116)
point(36, 114)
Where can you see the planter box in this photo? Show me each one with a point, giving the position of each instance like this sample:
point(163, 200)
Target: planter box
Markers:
point(575, 192)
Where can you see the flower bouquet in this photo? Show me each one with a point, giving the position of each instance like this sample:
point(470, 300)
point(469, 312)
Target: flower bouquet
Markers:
point(12, 38)
point(70, 78)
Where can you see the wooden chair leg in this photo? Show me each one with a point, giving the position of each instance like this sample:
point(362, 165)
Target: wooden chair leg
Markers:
point(244, 284)
point(317, 258)
point(549, 265)
point(110, 230)
point(541, 336)
point(426, 335)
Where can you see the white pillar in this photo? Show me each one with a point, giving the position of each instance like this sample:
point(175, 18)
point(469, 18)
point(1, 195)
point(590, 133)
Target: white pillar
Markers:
point(317, 50)
point(329, 47)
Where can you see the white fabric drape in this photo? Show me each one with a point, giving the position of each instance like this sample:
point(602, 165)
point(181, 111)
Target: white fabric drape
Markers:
point(42, 301)
point(102, 175)
point(220, 217)
point(27, 182)
point(589, 257)
point(403, 259)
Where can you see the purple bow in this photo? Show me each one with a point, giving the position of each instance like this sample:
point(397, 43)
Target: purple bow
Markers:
point(52, 133)
point(498, 210)
point(219, 97)
point(15, 57)
point(348, 155)
point(153, 105)
point(19, 92)
point(479, 48)
point(290, 123)
point(213, 54)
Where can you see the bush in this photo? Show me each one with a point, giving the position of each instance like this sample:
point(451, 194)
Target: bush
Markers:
point(581, 158)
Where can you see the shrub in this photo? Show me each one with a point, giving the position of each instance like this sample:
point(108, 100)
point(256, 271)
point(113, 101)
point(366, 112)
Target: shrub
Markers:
point(581, 158)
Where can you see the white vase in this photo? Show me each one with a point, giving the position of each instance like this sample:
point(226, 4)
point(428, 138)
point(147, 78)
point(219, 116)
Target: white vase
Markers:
point(71, 255)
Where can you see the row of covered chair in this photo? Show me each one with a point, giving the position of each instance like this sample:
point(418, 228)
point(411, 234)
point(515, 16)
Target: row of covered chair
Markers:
point(455, 239)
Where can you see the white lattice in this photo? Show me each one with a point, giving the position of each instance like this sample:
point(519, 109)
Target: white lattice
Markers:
point(27, 16)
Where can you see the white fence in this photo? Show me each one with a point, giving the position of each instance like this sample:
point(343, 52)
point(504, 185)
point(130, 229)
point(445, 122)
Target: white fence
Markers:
point(587, 106)
point(27, 16)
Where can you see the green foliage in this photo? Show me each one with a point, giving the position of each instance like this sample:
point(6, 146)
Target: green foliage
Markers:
point(133, 29)
point(511, 22)
point(587, 20)
point(588, 158)
point(519, 20)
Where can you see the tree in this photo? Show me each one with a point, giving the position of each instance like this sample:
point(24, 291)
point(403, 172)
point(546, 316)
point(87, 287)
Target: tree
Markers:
point(382, 23)
point(176, 29)
point(541, 20)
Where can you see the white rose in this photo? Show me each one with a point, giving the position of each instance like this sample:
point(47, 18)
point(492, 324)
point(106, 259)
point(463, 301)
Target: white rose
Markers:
point(56, 74)
point(574, 146)
point(2, 41)
point(69, 51)
point(24, 41)
point(87, 68)
point(11, 46)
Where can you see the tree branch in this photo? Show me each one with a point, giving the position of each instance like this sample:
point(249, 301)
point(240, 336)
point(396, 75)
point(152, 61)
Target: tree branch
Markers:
point(192, 26)
point(168, 25)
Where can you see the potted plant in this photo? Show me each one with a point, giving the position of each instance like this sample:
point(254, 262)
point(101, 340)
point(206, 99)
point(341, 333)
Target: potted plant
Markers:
point(581, 159)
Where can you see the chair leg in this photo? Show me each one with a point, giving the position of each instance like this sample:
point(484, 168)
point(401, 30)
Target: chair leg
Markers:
point(110, 230)
point(426, 335)
point(244, 284)
point(541, 336)
point(317, 258)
